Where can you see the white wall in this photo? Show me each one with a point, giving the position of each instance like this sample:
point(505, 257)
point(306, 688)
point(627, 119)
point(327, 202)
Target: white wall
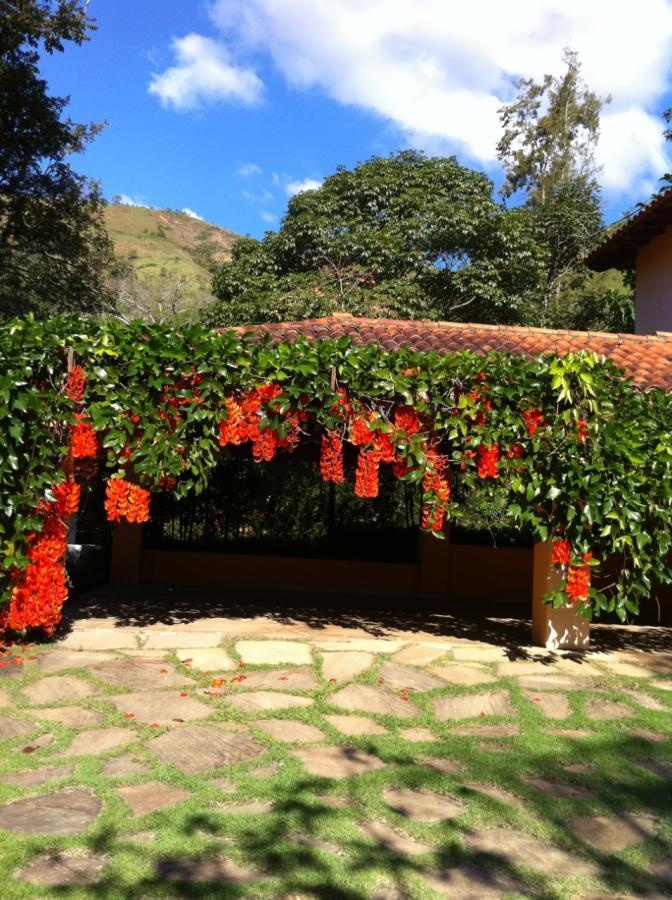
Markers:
point(653, 292)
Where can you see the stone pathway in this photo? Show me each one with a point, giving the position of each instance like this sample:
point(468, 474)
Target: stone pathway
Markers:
point(226, 735)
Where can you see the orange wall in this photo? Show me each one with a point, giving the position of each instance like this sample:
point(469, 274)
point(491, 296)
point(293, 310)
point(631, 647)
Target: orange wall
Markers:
point(653, 293)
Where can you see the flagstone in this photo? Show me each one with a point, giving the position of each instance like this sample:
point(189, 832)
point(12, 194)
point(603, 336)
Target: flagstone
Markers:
point(605, 710)
point(38, 777)
point(302, 840)
point(559, 789)
point(498, 794)
point(162, 707)
point(646, 701)
point(201, 748)
point(58, 660)
point(151, 796)
point(393, 840)
point(124, 767)
point(224, 784)
point(550, 703)
point(289, 731)
point(517, 667)
point(367, 645)
point(71, 716)
point(421, 654)
point(470, 882)
point(65, 812)
point(662, 868)
point(611, 834)
point(346, 665)
point(11, 728)
point(400, 677)
point(656, 663)
point(301, 679)
point(38, 743)
point(139, 837)
point(576, 768)
point(215, 869)
point(11, 671)
point(520, 849)
point(438, 766)
point(259, 701)
point(488, 703)
point(416, 735)
point(63, 868)
point(662, 685)
point(379, 701)
point(179, 640)
point(5, 698)
point(554, 683)
point(354, 726)
point(571, 733)
point(660, 767)
point(140, 674)
point(247, 808)
point(100, 639)
point(422, 806)
point(479, 653)
point(337, 762)
point(207, 659)
point(627, 669)
point(57, 688)
point(267, 771)
point(100, 740)
point(465, 676)
point(646, 734)
point(503, 730)
point(273, 653)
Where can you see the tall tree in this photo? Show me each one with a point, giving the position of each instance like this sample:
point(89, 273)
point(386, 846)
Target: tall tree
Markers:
point(548, 152)
point(54, 249)
point(407, 236)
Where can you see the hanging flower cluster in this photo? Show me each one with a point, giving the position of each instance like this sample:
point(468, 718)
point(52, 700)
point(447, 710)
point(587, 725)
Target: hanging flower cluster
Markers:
point(244, 423)
point(83, 440)
point(124, 500)
point(577, 587)
point(331, 458)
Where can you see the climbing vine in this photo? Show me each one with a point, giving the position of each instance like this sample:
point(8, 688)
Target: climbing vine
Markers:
point(584, 458)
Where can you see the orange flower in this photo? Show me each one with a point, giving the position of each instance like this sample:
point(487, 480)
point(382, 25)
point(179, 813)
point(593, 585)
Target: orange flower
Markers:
point(83, 440)
point(488, 461)
point(366, 476)
point(331, 458)
point(561, 553)
point(75, 384)
point(67, 495)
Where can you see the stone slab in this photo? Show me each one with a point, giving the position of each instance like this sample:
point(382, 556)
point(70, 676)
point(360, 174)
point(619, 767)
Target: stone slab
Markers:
point(479, 652)
point(160, 707)
point(416, 735)
point(140, 674)
point(57, 688)
point(207, 659)
point(175, 639)
point(289, 731)
point(71, 716)
point(346, 665)
point(520, 849)
point(646, 734)
point(5, 697)
point(554, 683)
point(660, 767)
point(503, 730)
point(393, 840)
point(559, 789)
point(299, 679)
point(11, 670)
point(365, 699)
point(550, 703)
point(12, 728)
point(247, 808)
point(662, 868)
point(489, 703)
point(422, 806)
point(366, 645)
point(463, 675)
point(99, 740)
point(38, 743)
point(337, 762)
point(399, 677)
point(421, 654)
point(646, 701)
point(201, 748)
point(37, 777)
point(260, 701)
point(62, 868)
point(611, 834)
point(100, 639)
point(124, 767)
point(439, 766)
point(354, 726)
point(66, 812)
point(470, 882)
point(493, 792)
point(151, 796)
point(199, 869)
point(60, 660)
point(273, 653)
point(626, 669)
point(605, 710)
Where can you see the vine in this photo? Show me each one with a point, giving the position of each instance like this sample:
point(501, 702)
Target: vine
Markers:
point(584, 457)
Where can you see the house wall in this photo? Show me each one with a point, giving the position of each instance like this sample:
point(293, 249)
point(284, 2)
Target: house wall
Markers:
point(653, 292)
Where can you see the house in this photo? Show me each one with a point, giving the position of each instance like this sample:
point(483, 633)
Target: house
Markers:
point(644, 243)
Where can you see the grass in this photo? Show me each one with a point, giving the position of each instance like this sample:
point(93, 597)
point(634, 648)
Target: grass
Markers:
point(200, 826)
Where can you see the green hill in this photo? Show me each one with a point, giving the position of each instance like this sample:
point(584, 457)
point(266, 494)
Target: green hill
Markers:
point(170, 257)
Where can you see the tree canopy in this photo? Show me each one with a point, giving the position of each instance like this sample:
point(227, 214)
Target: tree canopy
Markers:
point(54, 249)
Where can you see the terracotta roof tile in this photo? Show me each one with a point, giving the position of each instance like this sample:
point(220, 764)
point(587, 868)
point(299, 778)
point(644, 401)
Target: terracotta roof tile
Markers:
point(646, 358)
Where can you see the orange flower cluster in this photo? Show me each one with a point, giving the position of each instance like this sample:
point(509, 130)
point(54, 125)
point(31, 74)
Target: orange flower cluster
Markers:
point(331, 458)
point(406, 419)
point(83, 440)
point(366, 476)
point(534, 419)
point(577, 587)
point(361, 433)
point(124, 500)
point(435, 483)
point(581, 431)
point(561, 552)
point(75, 384)
point(243, 423)
point(66, 497)
point(488, 459)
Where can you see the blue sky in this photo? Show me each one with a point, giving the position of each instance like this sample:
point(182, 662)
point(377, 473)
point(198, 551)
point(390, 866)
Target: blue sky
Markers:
point(227, 107)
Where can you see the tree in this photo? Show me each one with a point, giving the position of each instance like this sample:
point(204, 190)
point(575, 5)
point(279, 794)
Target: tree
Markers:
point(547, 150)
point(406, 236)
point(54, 249)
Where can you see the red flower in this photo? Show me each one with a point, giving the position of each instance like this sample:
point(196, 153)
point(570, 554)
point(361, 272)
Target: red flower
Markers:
point(137, 509)
point(534, 419)
point(366, 476)
point(83, 441)
point(577, 587)
point(361, 434)
point(126, 500)
point(67, 495)
point(488, 461)
point(230, 430)
point(75, 384)
point(331, 458)
point(264, 446)
point(406, 419)
point(561, 553)
point(581, 431)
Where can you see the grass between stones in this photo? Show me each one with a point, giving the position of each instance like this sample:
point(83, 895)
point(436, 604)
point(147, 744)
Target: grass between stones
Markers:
point(265, 845)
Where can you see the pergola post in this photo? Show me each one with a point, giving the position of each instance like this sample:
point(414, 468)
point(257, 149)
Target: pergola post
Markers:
point(556, 629)
point(126, 553)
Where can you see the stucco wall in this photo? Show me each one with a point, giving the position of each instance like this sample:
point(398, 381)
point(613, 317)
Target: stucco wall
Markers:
point(653, 295)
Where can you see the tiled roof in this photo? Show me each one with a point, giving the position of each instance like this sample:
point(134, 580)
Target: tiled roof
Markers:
point(647, 358)
point(619, 248)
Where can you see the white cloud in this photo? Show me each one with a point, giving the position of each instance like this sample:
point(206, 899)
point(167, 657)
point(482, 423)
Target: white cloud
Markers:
point(308, 184)
point(204, 73)
point(125, 200)
point(192, 214)
point(269, 217)
point(439, 71)
point(247, 169)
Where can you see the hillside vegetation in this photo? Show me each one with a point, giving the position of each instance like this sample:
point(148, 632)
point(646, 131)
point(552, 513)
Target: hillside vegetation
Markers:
point(166, 260)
